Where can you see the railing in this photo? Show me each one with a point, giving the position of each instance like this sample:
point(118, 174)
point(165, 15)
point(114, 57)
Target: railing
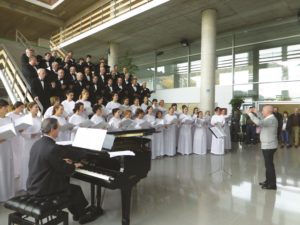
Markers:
point(20, 38)
point(104, 13)
point(13, 80)
point(60, 51)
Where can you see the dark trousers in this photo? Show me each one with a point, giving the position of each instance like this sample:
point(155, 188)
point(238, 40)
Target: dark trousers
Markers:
point(77, 201)
point(269, 164)
point(250, 134)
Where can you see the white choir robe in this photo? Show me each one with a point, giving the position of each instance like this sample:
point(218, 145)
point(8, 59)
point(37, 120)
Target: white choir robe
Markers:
point(30, 135)
point(217, 144)
point(170, 135)
point(88, 110)
point(18, 141)
point(208, 132)
point(138, 122)
point(185, 140)
point(7, 176)
point(200, 140)
point(109, 108)
point(151, 120)
point(163, 110)
point(97, 119)
point(158, 141)
point(62, 135)
point(133, 109)
point(114, 124)
point(76, 120)
point(144, 107)
point(49, 113)
point(68, 107)
point(112, 105)
point(227, 138)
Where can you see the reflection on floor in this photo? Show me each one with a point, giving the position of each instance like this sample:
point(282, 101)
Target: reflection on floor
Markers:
point(197, 190)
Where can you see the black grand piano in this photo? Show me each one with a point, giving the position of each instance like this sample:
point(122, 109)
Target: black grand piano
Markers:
point(119, 172)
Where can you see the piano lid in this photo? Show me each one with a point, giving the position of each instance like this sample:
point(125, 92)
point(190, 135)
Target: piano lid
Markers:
point(132, 133)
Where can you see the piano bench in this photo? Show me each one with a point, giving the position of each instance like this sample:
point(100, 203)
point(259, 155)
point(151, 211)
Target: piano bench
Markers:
point(31, 210)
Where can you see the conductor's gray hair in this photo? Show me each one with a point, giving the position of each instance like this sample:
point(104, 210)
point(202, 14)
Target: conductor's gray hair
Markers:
point(269, 108)
point(48, 124)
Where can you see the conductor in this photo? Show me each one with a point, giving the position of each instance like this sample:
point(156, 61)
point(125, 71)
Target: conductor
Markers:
point(49, 173)
point(269, 143)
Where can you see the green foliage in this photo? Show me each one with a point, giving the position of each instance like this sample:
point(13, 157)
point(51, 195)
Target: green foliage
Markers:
point(236, 102)
point(126, 61)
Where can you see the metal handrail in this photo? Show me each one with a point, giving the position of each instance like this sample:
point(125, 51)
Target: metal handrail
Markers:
point(20, 38)
point(12, 73)
point(105, 12)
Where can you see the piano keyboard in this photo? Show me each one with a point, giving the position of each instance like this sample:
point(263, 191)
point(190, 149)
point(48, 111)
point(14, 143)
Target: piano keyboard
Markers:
point(94, 174)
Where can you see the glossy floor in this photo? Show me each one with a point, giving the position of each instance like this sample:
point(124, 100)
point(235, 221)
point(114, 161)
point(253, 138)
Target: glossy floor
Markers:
point(191, 190)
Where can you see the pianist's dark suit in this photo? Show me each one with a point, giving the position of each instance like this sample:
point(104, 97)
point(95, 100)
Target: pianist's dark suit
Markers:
point(49, 175)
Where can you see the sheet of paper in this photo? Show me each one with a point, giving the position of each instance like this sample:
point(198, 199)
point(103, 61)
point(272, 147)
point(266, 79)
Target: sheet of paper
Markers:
point(86, 124)
point(67, 126)
point(7, 131)
point(89, 138)
point(121, 153)
point(127, 124)
point(143, 125)
point(64, 143)
point(23, 122)
point(101, 125)
point(187, 121)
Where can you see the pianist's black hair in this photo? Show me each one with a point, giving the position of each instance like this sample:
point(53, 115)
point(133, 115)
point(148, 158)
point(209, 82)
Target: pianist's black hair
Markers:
point(96, 107)
point(3, 103)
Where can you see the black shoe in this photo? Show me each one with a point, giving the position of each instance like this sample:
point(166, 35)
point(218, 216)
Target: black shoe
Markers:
point(269, 187)
point(91, 215)
point(263, 183)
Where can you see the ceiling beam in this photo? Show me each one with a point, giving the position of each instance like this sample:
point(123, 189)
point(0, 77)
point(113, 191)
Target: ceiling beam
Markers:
point(35, 14)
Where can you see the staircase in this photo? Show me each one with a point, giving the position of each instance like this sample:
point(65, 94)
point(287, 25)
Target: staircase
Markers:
point(13, 85)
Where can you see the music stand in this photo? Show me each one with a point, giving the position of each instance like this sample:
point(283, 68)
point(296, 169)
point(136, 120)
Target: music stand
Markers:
point(219, 133)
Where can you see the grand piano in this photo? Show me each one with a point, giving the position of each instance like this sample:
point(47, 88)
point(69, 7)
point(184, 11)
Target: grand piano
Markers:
point(121, 172)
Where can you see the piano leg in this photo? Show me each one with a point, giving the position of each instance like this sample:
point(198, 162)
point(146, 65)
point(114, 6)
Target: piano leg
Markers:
point(92, 195)
point(126, 198)
point(99, 198)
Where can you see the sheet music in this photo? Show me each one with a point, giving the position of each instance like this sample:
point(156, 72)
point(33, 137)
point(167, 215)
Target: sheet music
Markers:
point(89, 138)
point(121, 153)
point(86, 124)
point(7, 131)
point(126, 124)
point(101, 125)
point(64, 143)
point(23, 122)
point(217, 132)
point(187, 121)
point(67, 126)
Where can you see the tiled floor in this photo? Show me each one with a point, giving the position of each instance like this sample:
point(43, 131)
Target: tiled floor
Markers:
point(182, 190)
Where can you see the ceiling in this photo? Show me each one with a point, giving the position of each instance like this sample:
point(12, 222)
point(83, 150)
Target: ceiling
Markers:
point(167, 24)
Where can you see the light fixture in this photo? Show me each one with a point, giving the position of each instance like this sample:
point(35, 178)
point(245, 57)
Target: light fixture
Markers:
point(184, 42)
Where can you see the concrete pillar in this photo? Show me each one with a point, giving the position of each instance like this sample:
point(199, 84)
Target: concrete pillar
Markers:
point(113, 54)
point(208, 59)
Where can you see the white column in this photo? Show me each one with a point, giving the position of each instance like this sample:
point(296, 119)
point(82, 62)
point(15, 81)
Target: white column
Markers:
point(113, 54)
point(208, 59)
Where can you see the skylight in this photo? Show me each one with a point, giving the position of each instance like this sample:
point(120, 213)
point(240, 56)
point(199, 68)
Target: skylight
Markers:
point(48, 4)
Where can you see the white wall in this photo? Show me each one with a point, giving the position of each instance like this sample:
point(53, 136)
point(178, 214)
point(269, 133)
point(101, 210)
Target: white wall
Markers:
point(191, 95)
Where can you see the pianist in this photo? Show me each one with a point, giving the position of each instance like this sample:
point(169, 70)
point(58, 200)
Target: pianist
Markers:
point(49, 173)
